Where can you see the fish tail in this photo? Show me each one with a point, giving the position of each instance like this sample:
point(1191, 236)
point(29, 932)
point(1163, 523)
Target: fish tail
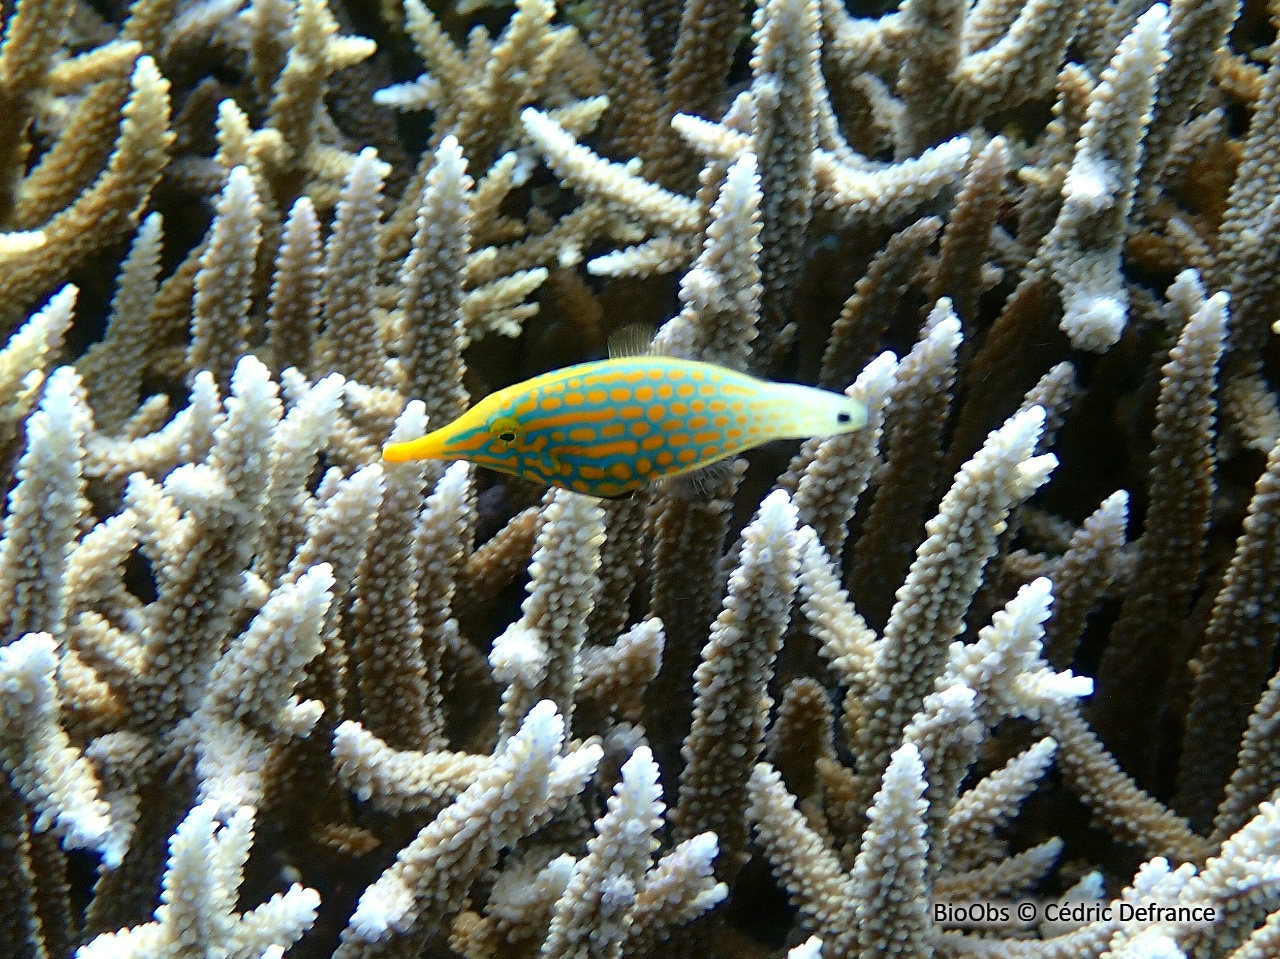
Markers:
point(857, 412)
point(804, 411)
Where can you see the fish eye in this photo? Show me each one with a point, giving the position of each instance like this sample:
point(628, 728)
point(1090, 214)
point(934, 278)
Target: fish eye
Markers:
point(505, 430)
point(842, 417)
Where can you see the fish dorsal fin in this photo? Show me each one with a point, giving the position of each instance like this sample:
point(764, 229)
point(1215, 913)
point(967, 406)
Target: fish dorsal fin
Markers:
point(634, 339)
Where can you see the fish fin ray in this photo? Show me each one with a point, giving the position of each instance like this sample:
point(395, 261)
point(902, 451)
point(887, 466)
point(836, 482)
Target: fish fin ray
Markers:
point(634, 339)
point(697, 484)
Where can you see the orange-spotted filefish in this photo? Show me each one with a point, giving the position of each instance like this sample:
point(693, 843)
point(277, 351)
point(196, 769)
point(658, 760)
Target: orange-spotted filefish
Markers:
point(609, 427)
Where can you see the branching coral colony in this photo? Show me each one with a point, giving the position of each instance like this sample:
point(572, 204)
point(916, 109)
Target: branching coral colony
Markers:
point(260, 692)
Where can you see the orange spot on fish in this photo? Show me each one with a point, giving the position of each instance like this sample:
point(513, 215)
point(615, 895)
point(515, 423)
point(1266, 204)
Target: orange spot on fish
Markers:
point(696, 422)
point(679, 409)
point(665, 458)
point(631, 412)
point(652, 442)
point(685, 390)
point(640, 428)
point(644, 393)
point(656, 412)
point(619, 394)
point(552, 403)
point(678, 439)
point(591, 472)
point(644, 466)
point(620, 471)
point(616, 448)
point(665, 391)
point(612, 430)
point(687, 456)
point(582, 434)
point(597, 396)
point(574, 398)
point(707, 436)
point(572, 417)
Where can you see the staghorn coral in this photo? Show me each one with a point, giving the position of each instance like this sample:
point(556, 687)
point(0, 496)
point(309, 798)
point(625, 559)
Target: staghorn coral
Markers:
point(261, 694)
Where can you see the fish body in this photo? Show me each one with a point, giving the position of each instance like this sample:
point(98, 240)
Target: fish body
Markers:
point(609, 427)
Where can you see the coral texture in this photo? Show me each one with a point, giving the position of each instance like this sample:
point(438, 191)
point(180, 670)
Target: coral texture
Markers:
point(1014, 641)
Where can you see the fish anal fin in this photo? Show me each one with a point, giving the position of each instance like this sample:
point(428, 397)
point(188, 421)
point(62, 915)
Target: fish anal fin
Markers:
point(699, 484)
